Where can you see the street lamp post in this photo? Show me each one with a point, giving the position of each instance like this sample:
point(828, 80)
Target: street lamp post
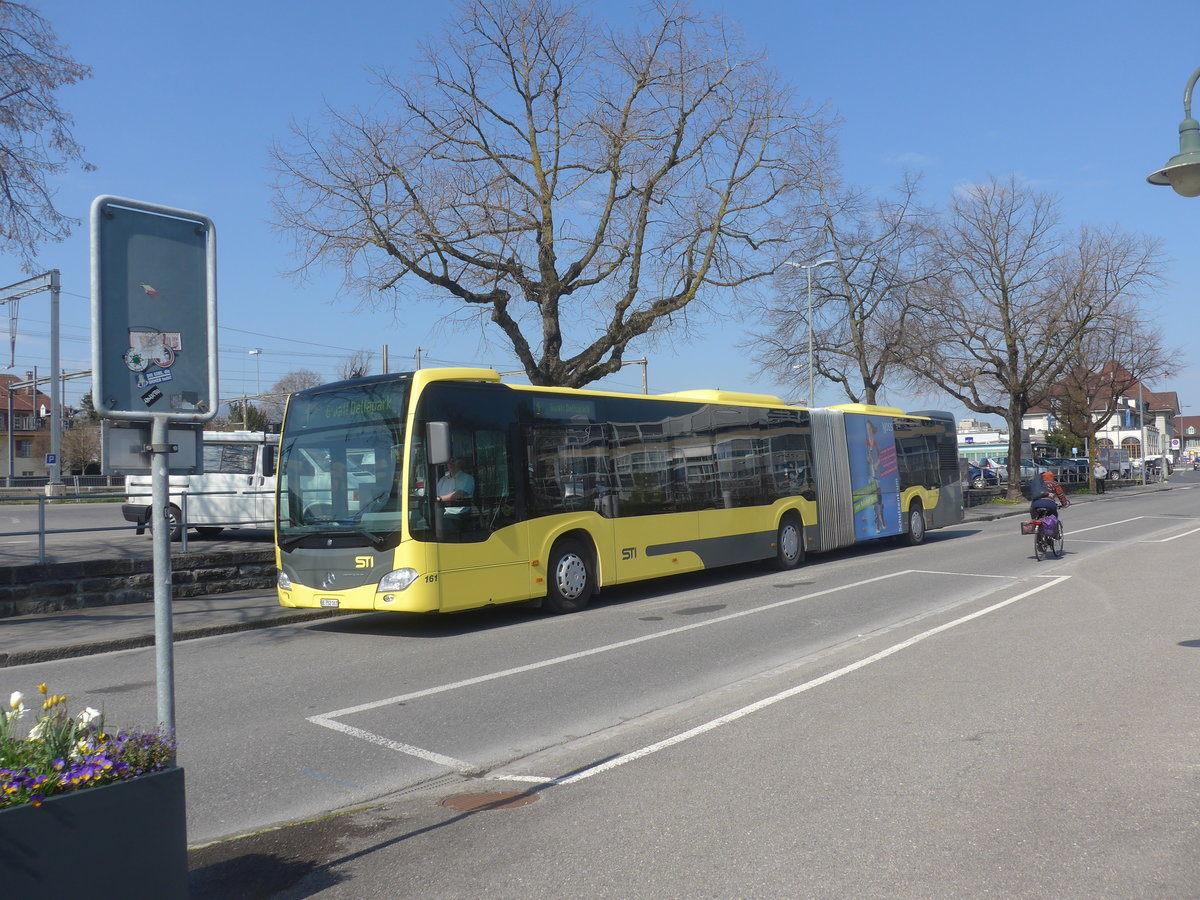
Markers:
point(808, 267)
point(1182, 171)
point(1142, 420)
point(257, 354)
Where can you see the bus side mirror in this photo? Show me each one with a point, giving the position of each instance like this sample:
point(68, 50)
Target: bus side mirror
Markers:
point(437, 445)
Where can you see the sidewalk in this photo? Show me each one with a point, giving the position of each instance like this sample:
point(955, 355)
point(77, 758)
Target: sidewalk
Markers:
point(101, 629)
point(985, 512)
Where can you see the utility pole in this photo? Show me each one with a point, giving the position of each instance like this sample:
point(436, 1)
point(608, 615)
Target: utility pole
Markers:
point(48, 281)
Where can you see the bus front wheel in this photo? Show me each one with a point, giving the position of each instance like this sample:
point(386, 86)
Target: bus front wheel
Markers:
point(789, 543)
point(571, 578)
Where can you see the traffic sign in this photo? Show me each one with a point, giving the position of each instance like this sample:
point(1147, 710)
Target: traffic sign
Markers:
point(154, 312)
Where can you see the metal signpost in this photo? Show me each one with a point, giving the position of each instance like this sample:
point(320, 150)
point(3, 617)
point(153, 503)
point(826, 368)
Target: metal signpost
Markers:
point(154, 356)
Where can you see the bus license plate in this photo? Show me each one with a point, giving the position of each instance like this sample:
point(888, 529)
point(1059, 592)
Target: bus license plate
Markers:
point(329, 602)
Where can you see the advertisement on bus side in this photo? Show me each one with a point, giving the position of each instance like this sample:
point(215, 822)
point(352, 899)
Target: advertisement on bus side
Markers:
point(874, 476)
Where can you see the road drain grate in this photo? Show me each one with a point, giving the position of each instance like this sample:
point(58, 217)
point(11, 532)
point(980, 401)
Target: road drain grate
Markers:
point(489, 800)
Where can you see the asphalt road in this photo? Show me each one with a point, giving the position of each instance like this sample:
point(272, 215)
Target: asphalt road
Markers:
point(956, 719)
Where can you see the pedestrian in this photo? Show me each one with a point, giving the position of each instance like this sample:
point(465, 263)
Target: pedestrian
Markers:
point(1101, 473)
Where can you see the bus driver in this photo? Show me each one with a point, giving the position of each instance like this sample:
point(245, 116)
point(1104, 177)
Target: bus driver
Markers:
point(455, 485)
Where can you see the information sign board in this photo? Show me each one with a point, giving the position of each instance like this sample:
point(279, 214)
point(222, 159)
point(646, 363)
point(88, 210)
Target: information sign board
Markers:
point(154, 321)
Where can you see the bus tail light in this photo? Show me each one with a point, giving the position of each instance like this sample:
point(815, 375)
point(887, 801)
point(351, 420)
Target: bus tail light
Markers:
point(397, 580)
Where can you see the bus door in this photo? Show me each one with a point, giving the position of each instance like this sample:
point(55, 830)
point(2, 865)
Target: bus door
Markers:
point(481, 549)
point(264, 484)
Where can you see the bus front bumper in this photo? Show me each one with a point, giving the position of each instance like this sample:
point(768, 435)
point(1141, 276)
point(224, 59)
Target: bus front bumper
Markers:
point(418, 598)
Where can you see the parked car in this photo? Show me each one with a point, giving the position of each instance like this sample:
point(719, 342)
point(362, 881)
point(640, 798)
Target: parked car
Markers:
point(1154, 465)
point(1196, 466)
point(980, 478)
point(996, 467)
point(1064, 469)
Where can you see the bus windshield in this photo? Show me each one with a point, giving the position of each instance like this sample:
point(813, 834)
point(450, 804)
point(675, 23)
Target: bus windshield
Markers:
point(340, 463)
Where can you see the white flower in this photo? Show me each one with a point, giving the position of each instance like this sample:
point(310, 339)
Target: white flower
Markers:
point(88, 715)
point(16, 701)
point(35, 733)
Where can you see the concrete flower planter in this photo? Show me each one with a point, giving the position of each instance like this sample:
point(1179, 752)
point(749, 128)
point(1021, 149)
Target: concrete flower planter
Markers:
point(126, 839)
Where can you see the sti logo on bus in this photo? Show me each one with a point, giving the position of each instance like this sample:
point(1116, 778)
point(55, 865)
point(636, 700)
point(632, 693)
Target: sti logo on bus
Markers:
point(363, 562)
point(629, 553)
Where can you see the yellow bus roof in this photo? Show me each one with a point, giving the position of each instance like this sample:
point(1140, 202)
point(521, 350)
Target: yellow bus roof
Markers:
point(868, 409)
point(706, 395)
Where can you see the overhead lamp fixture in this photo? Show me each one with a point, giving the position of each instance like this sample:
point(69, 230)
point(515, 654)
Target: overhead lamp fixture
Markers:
point(1182, 171)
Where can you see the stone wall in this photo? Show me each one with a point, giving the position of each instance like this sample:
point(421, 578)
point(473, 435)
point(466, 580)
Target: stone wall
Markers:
point(58, 586)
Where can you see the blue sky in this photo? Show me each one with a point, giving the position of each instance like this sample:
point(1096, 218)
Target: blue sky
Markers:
point(1082, 99)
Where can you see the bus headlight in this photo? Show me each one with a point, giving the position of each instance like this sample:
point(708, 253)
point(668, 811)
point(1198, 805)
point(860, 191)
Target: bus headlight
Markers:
point(282, 581)
point(398, 580)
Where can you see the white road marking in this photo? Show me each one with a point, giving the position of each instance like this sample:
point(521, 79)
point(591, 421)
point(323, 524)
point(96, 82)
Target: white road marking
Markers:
point(790, 692)
point(959, 574)
point(1071, 533)
point(1174, 537)
point(463, 768)
point(1105, 525)
point(582, 654)
point(328, 720)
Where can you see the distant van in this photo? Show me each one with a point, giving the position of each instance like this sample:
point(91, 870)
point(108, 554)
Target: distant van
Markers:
point(237, 489)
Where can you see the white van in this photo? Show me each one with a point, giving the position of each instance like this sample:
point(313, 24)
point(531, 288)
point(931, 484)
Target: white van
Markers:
point(237, 489)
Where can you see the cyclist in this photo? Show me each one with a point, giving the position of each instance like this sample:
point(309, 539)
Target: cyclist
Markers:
point(1047, 496)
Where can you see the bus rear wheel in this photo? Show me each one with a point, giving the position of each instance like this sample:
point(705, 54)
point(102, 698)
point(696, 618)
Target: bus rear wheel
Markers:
point(571, 578)
point(916, 525)
point(789, 543)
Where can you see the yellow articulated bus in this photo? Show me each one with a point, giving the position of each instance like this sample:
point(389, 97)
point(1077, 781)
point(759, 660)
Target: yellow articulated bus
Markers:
point(444, 489)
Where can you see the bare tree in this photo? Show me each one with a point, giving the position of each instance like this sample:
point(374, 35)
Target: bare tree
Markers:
point(356, 365)
point(36, 142)
point(577, 186)
point(1119, 352)
point(80, 446)
point(881, 251)
point(273, 403)
point(1017, 299)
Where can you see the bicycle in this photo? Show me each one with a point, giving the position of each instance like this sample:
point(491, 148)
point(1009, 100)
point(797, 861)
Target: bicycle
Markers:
point(1044, 543)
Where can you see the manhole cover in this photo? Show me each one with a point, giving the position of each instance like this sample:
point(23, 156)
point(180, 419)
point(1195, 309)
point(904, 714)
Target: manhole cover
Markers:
point(489, 800)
